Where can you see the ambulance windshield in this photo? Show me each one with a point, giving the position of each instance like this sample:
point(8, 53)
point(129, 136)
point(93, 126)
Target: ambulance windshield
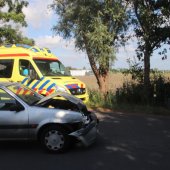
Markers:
point(51, 67)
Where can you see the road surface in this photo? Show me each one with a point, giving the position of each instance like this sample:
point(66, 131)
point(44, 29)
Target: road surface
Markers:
point(126, 142)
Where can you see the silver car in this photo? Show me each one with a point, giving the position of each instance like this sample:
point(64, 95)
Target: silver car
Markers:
point(53, 120)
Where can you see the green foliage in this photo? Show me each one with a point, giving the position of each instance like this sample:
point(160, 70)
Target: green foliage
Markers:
point(27, 41)
point(12, 11)
point(103, 20)
point(115, 71)
point(136, 70)
point(130, 93)
point(96, 99)
point(11, 14)
point(127, 101)
point(97, 26)
point(133, 93)
point(99, 41)
point(151, 24)
point(7, 34)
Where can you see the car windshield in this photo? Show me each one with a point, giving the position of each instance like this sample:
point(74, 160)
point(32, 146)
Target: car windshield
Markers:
point(51, 67)
point(27, 95)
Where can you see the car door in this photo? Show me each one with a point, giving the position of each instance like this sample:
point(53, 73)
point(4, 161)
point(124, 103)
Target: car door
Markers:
point(13, 117)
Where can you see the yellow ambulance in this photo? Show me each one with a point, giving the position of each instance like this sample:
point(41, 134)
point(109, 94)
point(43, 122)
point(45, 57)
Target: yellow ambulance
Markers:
point(38, 69)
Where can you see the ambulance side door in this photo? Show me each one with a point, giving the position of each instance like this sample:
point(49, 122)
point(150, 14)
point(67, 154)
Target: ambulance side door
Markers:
point(25, 68)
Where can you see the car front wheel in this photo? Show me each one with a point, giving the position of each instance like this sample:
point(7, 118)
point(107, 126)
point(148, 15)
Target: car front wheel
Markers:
point(55, 139)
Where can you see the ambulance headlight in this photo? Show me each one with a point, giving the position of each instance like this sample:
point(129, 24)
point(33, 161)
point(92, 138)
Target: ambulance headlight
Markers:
point(60, 89)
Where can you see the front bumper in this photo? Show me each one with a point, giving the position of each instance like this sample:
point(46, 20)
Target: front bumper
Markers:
point(88, 134)
point(83, 97)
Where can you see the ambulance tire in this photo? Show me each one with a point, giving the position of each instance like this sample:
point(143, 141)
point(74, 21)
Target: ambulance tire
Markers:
point(54, 139)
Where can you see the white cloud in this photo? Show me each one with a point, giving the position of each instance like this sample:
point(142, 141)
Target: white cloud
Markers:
point(48, 41)
point(74, 59)
point(37, 13)
point(63, 49)
point(53, 42)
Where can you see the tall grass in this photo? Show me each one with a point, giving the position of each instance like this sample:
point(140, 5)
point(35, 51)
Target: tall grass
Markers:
point(97, 99)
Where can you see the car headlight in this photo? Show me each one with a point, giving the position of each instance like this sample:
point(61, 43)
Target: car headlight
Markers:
point(60, 89)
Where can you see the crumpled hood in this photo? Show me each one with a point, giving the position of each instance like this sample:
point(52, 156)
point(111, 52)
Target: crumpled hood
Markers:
point(67, 96)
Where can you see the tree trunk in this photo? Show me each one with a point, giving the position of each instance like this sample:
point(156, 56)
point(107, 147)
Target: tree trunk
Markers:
point(103, 83)
point(102, 79)
point(101, 76)
point(147, 75)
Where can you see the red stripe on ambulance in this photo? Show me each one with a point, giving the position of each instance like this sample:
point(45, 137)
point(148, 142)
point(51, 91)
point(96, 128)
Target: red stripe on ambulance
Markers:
point(14, 55)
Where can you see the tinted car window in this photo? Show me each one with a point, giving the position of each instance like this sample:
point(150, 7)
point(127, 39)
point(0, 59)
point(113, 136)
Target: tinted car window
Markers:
point(6, 67)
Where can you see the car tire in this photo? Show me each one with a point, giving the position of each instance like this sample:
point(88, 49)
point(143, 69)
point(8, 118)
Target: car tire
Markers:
point(55, 139)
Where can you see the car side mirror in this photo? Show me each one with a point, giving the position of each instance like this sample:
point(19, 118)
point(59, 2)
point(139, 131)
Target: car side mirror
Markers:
point(32, 74)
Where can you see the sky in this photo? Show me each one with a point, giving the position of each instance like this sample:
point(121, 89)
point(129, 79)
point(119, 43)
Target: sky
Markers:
point(41, 19)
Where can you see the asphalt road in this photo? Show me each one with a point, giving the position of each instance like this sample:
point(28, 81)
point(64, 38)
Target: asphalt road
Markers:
point(126, 142)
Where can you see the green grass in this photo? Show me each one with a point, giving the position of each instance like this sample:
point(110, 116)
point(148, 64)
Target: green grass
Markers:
point(97, 99)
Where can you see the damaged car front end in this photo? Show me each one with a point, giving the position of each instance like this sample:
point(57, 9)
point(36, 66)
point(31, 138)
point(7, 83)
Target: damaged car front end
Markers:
point(86, 128)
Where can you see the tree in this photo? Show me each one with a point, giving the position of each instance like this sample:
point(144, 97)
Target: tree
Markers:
point(26, 40)
point(11, 14)
point(98, 27)
point(152, 27)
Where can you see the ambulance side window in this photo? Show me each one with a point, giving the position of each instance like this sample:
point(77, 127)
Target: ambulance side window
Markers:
point(6, 67)
point(24, 67)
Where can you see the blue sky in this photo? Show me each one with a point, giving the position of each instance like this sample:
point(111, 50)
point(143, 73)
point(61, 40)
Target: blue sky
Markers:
point(40, 21)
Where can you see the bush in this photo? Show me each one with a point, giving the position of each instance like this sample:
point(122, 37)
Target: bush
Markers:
point(130, 93)
point(97, 99)
point(133, 93)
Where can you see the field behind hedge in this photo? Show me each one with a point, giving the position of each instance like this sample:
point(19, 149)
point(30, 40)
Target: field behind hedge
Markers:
point(115, 80)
